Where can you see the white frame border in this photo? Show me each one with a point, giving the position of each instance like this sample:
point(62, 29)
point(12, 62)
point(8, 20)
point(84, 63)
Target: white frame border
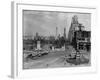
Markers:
point(16, 55)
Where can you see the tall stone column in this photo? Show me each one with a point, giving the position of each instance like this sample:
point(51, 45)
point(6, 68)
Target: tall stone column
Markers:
point(38, 45)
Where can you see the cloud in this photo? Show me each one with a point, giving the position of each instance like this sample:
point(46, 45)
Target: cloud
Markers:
point(45, 22)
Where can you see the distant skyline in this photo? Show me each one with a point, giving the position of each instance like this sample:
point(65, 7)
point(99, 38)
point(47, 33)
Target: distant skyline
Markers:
point(45, 22)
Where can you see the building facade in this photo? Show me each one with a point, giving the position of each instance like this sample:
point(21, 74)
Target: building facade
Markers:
point(82, 40)
point(78, 37)
point(73, 27)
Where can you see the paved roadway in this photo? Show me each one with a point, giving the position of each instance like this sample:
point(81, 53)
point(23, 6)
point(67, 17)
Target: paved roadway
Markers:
point(54, 59)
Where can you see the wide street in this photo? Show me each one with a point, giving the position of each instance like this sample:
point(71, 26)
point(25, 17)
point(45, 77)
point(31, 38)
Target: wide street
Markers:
point(53, 59)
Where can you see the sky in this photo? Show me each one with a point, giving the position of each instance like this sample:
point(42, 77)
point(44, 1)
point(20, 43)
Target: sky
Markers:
point(45, 22)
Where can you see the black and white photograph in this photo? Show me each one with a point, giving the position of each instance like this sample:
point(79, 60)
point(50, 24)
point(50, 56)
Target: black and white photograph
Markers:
point(56, 39)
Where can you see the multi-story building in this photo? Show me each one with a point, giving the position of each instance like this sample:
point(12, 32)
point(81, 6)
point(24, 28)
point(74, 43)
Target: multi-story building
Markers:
point(73, 27)
point(81, 39)
point(78, 37)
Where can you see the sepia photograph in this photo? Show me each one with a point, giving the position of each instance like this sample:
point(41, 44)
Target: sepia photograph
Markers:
point(56, 39)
